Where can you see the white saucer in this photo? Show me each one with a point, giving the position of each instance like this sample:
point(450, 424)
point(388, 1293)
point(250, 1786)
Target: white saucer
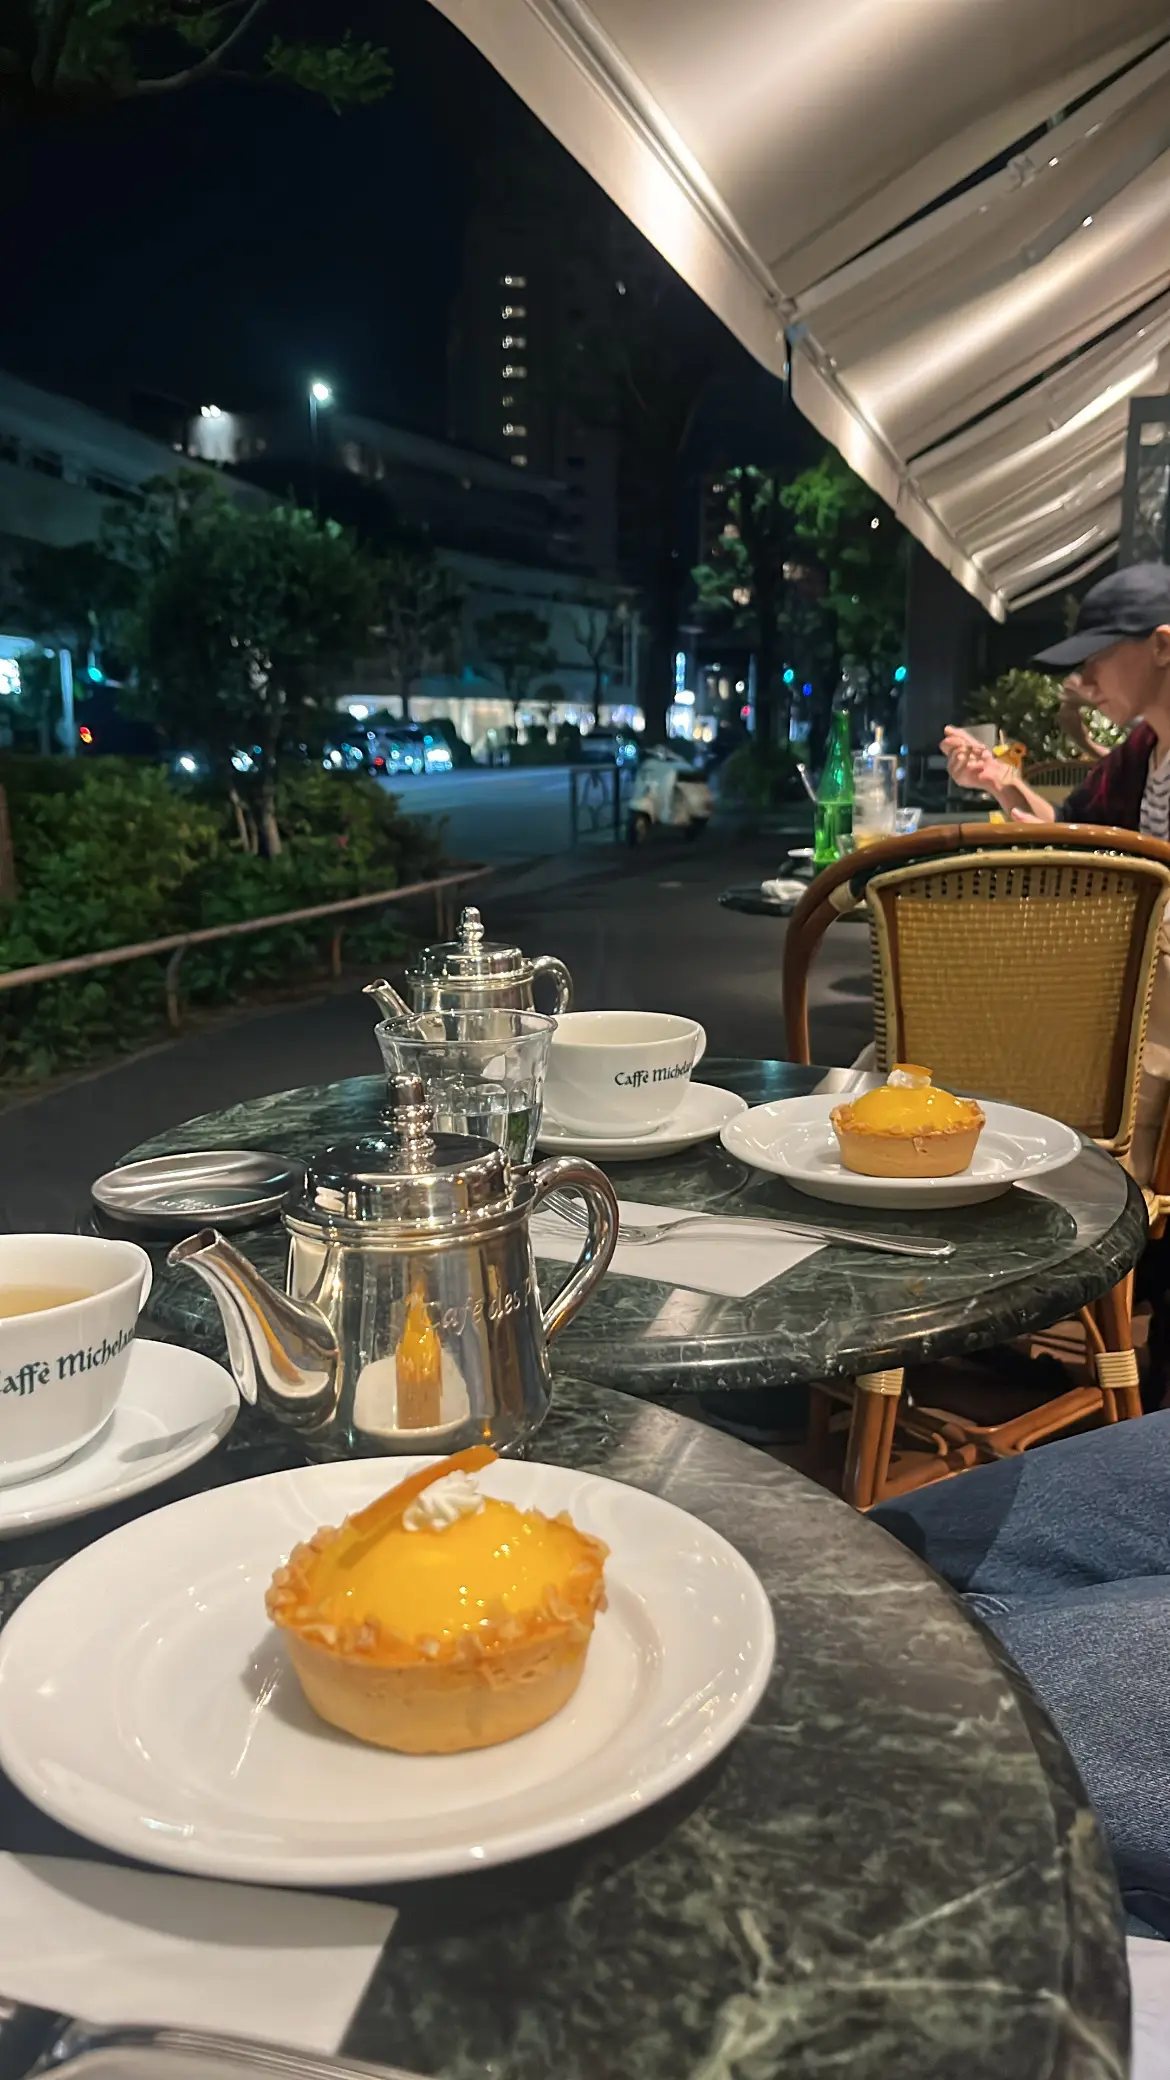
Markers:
point(704, 1112)
point(147, 1703)
point(794, 1139)
point(174, 1408)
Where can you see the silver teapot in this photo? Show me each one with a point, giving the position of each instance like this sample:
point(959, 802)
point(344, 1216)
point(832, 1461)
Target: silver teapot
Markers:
point(411, 1320)
point(471, 973)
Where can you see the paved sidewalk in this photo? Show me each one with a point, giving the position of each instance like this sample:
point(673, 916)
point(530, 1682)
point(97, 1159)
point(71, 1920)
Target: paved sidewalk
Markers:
point(640, 930)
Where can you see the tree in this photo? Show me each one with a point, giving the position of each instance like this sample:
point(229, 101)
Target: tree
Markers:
point(816, 568)
point(420, 612)
point(243, 617)
point(599, 633)
point(860, 551)
point(515, 645)
point(60, 57)
point(745, 581)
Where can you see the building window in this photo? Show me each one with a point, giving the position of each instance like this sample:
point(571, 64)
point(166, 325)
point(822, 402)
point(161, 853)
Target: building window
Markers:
point(519, 461)
point(506, 400)
point(519, 431)
point(513, 339)
point(513, 369)
point(513, 310)
point(514, 281)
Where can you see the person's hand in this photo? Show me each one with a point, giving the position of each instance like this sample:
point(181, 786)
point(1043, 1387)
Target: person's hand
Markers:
point(972, 764)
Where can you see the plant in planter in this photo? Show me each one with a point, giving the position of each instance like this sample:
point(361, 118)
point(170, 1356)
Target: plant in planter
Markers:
point(1031, 708)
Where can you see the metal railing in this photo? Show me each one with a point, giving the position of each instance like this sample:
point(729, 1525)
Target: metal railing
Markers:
point(597, 797)
point(177, 944)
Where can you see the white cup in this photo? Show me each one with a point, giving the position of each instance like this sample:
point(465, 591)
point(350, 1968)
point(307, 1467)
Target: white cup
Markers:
point(620, 1072)
point(62, 1368)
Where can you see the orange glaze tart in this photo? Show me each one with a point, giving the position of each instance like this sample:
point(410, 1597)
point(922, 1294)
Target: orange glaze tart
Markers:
point(908, 1128)
point(440, 1619)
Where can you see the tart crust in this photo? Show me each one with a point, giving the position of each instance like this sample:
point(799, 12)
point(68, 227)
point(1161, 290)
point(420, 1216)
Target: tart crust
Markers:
point(426, 1696)
point(879, 1153)
point(943, 1151)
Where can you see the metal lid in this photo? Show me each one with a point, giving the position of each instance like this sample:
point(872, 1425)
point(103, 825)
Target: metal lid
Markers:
point(405, 1177)
point(472, 958)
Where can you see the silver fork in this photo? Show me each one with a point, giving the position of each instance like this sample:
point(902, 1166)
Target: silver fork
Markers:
point(934, 1249)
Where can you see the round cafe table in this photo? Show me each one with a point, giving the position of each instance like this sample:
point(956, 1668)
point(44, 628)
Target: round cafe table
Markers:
point(1021, 1262)
point(891, 1873)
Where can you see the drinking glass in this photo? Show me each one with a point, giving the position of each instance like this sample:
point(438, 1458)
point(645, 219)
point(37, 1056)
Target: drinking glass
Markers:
point(875, 795)
point(483, 1072)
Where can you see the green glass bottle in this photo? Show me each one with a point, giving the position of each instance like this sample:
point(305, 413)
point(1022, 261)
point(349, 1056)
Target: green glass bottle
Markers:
point(833, 816)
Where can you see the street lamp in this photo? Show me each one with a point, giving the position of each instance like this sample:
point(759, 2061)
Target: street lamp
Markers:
point(320, 398)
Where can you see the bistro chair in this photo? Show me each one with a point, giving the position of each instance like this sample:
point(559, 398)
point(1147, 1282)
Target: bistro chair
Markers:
point(1017, 962)
point(1054, 779)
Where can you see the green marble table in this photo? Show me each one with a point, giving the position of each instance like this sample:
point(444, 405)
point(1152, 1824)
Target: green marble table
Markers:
point(1021, 1262)
point(892, 1874)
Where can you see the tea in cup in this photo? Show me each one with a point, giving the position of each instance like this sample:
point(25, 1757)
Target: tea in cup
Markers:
point(620, 1072)
point(69, 1305)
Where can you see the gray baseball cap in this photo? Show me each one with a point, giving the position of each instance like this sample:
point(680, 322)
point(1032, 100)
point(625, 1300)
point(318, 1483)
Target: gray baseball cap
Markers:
point(1124, 608)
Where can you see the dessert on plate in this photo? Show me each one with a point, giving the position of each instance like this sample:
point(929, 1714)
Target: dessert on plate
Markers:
point(907, 1128)
point(440, 1619)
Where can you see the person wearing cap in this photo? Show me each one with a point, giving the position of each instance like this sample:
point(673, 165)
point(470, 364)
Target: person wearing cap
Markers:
point(1064, 1551)
point(1118, 661)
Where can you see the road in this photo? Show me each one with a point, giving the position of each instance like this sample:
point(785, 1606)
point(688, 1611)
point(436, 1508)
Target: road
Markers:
point(493, 814)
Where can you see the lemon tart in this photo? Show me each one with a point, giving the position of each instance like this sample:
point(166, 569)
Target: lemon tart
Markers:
point(908, 1128)
point(440, 1619)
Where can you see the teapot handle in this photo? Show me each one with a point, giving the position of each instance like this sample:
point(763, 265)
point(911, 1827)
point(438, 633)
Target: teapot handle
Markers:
point(548, 964)
point(574, 1174)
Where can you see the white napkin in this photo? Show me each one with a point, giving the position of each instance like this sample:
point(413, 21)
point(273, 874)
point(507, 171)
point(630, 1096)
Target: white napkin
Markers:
point(785, 889)
point(733, 1259)
point(1149, 1973)
point(110, 1945)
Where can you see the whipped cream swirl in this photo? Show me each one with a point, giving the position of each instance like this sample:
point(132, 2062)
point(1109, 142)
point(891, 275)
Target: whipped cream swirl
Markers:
point(443, 1503)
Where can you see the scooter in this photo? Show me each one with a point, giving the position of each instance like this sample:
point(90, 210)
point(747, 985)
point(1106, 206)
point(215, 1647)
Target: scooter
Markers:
point(668, 794)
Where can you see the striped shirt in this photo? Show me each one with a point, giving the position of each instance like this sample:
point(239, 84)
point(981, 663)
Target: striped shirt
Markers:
point(1155, 811)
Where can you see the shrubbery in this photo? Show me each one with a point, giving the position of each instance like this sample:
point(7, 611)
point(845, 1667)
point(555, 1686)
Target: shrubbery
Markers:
point(109, 853)
point(760, 776)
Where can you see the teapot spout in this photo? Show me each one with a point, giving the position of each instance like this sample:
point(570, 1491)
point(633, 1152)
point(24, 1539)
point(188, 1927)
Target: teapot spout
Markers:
point(388, 1001)
point(283, 1352)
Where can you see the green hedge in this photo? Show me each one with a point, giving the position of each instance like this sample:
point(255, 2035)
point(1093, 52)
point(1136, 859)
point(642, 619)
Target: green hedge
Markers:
point(110, 853)
point(761, 776)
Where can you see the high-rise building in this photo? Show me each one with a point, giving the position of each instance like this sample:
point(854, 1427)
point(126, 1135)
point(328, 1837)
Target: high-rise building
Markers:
point(526, 321)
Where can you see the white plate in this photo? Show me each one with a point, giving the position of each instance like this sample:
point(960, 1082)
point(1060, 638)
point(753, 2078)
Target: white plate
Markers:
point(174, 1407)
point(704, 1112)
point(146, 1702)
point(794, 1138)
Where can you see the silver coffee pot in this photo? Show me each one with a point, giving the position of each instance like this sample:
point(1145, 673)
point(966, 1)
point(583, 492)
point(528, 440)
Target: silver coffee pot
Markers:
point(411, 1320)
point(471, 973)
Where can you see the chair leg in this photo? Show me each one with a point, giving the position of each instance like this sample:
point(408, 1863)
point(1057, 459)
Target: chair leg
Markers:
point(820, 1410)
point(1117, 1366)
point(871, 1435)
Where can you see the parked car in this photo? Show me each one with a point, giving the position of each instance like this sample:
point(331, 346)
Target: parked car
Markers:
point(609, 747)
point(409, 748)
point(350, 755)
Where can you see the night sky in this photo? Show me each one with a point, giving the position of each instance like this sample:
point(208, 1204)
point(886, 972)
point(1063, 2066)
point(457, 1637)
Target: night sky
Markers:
point(222, 243)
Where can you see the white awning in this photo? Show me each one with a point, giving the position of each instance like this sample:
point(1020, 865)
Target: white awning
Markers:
point(971, 354)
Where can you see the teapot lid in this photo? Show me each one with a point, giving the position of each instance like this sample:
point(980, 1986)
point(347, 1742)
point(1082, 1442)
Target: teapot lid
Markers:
point(404, 1175)
point(471, 958)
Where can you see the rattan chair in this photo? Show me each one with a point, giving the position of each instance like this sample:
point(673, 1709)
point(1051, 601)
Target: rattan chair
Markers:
point(1054, 779)
point(1017, 962)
